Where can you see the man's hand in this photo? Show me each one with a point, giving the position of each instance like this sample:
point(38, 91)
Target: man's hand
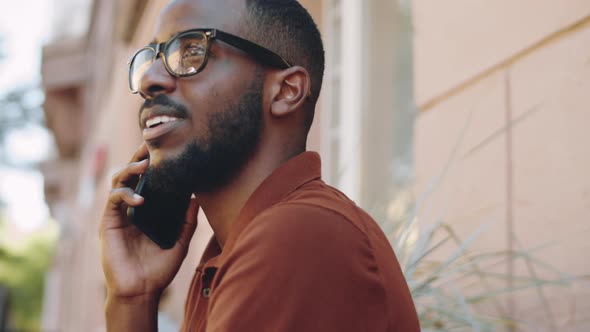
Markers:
point(136, 269)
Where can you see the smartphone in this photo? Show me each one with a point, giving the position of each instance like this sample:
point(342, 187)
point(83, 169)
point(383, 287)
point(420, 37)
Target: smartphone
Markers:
point(161, 216)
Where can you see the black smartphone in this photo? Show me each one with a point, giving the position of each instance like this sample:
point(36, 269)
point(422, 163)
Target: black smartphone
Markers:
point(161, 215)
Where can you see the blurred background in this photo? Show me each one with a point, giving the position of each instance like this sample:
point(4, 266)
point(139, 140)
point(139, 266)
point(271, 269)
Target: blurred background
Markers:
point(462, 126)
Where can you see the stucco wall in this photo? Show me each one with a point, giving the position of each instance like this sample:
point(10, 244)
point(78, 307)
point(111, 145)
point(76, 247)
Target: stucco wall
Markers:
point(503, 88)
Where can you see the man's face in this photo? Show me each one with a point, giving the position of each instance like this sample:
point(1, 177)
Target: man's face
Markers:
point(215, 117)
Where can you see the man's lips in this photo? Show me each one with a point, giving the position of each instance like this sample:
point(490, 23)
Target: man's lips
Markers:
point(160, 120)
point(159, 114)
point(150, 134)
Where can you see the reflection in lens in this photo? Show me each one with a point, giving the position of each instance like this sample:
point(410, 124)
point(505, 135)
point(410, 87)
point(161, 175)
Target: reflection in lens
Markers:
point(141, 63)
point(186, 54)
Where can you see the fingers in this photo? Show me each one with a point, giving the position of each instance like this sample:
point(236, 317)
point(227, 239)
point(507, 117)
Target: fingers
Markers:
point(140, 154)
point(121, 195)
point(127, 176)
point(124, 195)
point(114, 216)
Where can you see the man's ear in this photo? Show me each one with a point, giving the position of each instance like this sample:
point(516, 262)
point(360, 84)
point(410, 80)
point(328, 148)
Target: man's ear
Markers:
point(290, 89)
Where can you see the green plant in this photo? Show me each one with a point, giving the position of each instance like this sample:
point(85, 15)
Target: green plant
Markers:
point(22, 270)
point(448, 292)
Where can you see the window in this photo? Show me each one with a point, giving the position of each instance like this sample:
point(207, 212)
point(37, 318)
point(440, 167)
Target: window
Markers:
point(368, 110)
point(342, 99)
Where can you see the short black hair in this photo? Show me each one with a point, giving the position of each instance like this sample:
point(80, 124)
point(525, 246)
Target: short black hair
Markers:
point(287, 28)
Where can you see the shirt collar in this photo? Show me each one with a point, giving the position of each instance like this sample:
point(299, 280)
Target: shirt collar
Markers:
point(291, 175)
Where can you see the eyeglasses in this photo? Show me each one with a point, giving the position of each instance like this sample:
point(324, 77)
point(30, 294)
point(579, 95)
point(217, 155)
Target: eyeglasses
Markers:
point(186, 54)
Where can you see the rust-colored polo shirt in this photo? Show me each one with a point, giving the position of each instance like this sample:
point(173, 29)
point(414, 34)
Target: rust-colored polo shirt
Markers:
point(300, 257)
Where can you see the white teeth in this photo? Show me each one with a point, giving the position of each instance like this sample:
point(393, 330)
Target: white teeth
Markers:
point(159, 120)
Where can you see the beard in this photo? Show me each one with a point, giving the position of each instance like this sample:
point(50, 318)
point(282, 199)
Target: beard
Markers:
point(206, 165)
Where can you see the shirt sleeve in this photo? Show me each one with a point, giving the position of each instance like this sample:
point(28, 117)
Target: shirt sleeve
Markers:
point(299, 268)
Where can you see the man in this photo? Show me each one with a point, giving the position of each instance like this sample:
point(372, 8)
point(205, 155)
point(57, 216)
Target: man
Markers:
point(228, 120)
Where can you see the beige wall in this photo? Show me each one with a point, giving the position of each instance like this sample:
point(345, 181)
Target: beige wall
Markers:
point(503, 87)
point(464, 39)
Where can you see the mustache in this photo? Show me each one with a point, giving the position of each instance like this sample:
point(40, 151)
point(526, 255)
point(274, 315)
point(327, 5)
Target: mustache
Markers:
point(164, 101)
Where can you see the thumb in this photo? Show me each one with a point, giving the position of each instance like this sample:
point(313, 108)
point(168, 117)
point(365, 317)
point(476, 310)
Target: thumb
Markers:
point(190, 225)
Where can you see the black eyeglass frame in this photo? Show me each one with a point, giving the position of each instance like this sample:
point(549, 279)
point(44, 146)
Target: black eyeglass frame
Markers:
point(261, 54)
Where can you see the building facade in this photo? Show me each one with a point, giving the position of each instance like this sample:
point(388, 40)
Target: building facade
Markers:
point(502, 87)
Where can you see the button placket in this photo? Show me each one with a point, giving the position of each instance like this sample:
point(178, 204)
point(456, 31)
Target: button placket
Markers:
point(207, 280)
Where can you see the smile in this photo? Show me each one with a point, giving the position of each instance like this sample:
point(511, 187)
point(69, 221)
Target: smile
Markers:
point(159, 126)
point(158, 120)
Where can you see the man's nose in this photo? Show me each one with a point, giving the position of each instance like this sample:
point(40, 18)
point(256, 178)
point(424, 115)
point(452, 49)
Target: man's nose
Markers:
point(157, 80)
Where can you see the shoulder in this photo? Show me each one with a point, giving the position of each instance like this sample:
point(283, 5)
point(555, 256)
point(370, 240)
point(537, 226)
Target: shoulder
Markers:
point(308, 265)
point(325, 199)
point(291, 232)
point(306, 220)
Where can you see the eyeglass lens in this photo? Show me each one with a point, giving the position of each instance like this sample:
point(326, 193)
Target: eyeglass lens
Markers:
point(185, 55)
point(139, 65)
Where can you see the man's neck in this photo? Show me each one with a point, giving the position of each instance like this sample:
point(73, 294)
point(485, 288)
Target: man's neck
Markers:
point(223, 206)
